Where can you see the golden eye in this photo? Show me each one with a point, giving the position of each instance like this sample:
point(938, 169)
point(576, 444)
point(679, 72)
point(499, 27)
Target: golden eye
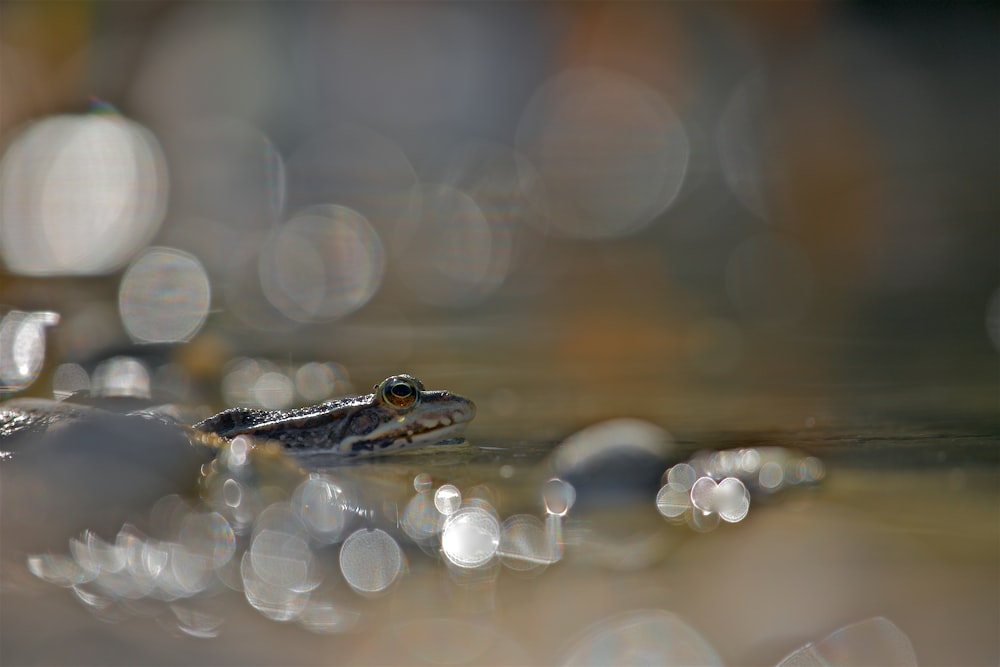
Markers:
point(401, 392)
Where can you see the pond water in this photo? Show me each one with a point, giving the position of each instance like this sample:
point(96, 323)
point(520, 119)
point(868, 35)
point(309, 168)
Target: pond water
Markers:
point(619, 545)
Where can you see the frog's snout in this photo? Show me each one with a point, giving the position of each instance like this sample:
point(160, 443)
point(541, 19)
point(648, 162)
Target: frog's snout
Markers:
point(465, 410)
point(457, 408)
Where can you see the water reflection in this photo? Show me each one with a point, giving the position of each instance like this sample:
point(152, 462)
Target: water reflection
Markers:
point(283, 539)
point(135, 566)
point(714, 486)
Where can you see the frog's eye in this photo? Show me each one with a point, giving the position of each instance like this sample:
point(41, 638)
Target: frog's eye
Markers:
point(400, 392)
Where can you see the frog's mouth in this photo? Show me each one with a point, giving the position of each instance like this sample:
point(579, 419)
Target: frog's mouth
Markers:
point(434, 427)
point(435, 434)
point(442, 419)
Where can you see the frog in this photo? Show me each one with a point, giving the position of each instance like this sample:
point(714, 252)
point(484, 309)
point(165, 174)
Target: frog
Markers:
point(399, 414)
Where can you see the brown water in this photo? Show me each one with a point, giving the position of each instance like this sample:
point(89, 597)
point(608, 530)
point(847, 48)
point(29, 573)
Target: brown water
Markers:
point(912, 538)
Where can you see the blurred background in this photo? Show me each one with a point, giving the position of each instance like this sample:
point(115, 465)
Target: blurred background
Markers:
point(752, 224)
point(736, 214)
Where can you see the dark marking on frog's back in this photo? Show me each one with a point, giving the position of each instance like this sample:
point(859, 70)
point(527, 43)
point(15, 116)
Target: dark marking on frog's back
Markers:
point(233, 422)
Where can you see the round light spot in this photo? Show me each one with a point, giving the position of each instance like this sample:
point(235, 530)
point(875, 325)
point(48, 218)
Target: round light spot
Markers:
point(673, 500)
point(121, 376)
point(317, 382)
point(79, 195)
point(749, 460)
point(683, 475)
point(703, 522)
point(642, 638)
point(470, 537)
point(356, 167)
point(873, 641)
point(703, 495)
point(771, 475)
point(558, 496)
point(283, 560)
point(56, 569)
point(813, 469)
point(505, 187)
point(22, 347)
point(420, 519)
point(277, 602)
point(448, 263)
point(732, 500)
point(164, 296)
point(273, 390)
point(423, 482)
point(240, 380)
point(322, 264)
point(610, 153)
point(447, 499)
point(370, 561)
point(209, 534)
point(69, 379)
point(322, 506)
point(227, 171)
point(524, 545)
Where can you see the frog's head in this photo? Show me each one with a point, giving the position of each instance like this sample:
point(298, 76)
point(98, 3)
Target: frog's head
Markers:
point(402, 414)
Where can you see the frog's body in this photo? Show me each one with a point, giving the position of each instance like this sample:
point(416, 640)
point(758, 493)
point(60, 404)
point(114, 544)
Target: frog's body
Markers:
point(399, 414)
